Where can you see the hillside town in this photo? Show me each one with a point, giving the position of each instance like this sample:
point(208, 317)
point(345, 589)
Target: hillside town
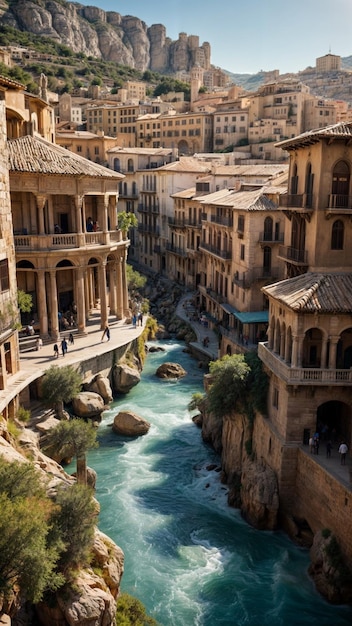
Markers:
point(242, 199)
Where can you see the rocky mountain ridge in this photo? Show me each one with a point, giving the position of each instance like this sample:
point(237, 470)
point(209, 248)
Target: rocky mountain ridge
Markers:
point(106, 35)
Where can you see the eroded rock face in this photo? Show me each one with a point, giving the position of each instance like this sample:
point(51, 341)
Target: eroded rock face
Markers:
point(329, 573)
point(170, 370)
point(107, 35)
point(259, 494)
point(125, 378)
point(88, 404)
point(130, 424)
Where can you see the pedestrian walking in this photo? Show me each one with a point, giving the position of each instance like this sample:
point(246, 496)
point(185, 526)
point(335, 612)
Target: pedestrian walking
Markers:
point(343, 449)
point(134, 321)
point(106, 333)
point(38, 343)
point(71, 339)
point(63, 346)
point(56, 350)
point(311, 444)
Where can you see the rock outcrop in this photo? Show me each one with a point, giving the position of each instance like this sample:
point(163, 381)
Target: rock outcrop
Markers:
point(170, 370)
point(329, 571)
point(125, 378)
point(259, 495)
point(130, 424)
point(106, 35)
point(100, 385)
point(88, 405)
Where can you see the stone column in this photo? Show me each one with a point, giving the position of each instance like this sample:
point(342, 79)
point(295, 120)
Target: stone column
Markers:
point(55, 333)
point(51, 224)
point(324, 347)
point(40, 201)
point(119, 295)
point(112, 288)
point(294, 356)
point(126, 310)
point(81, 308)
point(333, 352)
point(104, 317)
point(42, 308)
point(78, 207)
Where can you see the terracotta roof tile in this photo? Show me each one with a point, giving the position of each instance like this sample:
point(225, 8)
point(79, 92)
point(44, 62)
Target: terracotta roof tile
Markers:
point(35, 155)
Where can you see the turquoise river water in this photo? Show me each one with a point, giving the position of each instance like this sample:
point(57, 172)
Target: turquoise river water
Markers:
point(190, 558)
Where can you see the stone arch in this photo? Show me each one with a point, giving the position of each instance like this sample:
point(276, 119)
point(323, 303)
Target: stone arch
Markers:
point(277, 337)
point(336, 416)
point(288, 345)
point(228, 349)
point(312, 347)
point(271, 332)
point(344, 350)
point(340, 183)
point(268, 228)
point(283, 340)
point(183, 147)
point(337, 235)
point(117, 164)
point(130, 165)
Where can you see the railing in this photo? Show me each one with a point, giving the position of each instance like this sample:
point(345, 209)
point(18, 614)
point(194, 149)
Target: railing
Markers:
point(294, 200)
point(246, 279)
point(223, 254)
point(340, 201)
point(193, 223)
point(65, 241)
point(302, 375)
point(143, 208)
point(266, 237)
point(177, 223)
point(176, 250)
point(293, 254)
point(149, 228)
point(224, 221)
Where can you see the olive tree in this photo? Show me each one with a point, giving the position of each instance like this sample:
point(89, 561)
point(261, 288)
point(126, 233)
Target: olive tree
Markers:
point(59, 385)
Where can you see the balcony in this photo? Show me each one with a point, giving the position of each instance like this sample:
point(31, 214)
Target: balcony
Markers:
point(226, 255)
point(339, 204)
point(143, 208)
point(267, 238)
point(222, 221)
point(302, 202)
point(34, 243)
point(176, 250)
point(256, 274)
point(293, 255)
point(302, 375)
point(149, 229)
point(176, 223)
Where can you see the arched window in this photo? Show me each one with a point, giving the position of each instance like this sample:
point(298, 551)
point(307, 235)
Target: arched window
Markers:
point(337, 233)
point(117, 166)
point(130, 167)
point(340, 184)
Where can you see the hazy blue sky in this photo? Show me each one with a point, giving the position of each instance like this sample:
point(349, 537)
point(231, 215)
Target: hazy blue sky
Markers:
point(249, 35)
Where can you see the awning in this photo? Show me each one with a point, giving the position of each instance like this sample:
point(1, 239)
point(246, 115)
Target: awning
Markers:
point(228, 308)
point(253, 317)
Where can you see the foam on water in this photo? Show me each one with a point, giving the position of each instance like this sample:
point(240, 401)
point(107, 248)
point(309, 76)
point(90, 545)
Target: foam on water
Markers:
point(191, 559)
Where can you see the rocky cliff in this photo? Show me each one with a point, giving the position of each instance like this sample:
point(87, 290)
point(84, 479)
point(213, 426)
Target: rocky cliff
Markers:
point(106, 35)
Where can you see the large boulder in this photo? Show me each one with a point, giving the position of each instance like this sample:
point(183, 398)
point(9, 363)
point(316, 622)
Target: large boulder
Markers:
point(130, 424)
point(125, 377)
point(170, 370)
point(88, 404)
point(101, 385)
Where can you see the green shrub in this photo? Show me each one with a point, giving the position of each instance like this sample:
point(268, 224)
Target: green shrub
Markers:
point(131, 612)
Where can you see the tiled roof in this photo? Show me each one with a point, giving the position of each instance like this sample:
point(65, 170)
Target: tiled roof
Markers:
point(265, 170)
point(35, 155)
point(141, 151)
point(187, 164)
point(338, 131)
point(187, 194)
point(314, 293)
point(246, 200)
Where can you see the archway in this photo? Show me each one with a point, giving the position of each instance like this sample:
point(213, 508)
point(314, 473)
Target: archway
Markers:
point(334, 421)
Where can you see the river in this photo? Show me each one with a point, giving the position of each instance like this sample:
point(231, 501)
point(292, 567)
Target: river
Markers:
point(190, 558)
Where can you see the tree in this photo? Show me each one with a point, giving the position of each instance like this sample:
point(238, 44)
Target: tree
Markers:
point(131, 612)
point(73, 522)
point(135, 280)
point(60, 384)
point(28, 556)
point(24, 301)
point(229, 376)
point(125, 221)
point(73, 437)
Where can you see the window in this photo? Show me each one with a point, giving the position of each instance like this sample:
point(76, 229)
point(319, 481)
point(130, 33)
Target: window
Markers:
point(242, 250)
point(96, 150)
point(240, 224)
point(4, 275)
point(276, 398)
point(337, 233)
point(79, 148)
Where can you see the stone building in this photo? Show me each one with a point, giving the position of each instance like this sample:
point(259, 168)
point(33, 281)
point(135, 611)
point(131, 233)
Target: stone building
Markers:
point(308, 354)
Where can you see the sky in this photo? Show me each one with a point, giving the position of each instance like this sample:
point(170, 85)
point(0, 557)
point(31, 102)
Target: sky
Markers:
point(247, 36)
